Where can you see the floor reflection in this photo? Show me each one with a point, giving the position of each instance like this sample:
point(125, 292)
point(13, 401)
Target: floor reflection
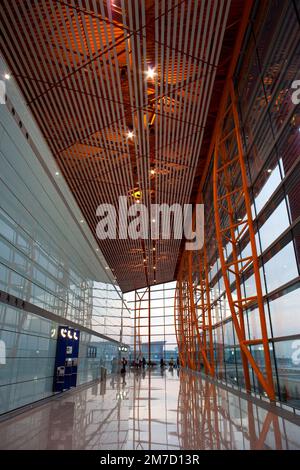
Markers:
point(164, 410)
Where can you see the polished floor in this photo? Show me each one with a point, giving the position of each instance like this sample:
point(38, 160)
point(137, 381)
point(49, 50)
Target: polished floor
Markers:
point(150, 410)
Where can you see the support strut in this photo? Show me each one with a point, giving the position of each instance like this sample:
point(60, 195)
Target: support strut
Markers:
point(234, 229)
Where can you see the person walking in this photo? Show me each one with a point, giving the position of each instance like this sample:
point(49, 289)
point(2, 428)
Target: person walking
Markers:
point(124, 364)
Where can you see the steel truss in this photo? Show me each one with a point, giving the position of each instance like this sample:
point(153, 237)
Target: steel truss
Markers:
point(235, 235)
point(237, 251)
point(141, 299)
point(192, 314)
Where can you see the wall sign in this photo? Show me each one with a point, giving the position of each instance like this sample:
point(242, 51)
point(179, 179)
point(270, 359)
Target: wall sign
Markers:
point(66, 361)
point(91, 351)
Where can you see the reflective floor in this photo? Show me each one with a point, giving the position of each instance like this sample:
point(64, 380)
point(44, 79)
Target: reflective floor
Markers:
point(150, 410)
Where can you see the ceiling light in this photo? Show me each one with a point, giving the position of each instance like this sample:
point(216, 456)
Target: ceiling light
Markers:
point(152, 172)
point(150, 74)
point(57, 173)
point(130, 135)
point(145, 260)
point(154, 248)
point(7, 76)
point(97, 249)
point(81, 221)
point(269, 170)
point(154, 267)
point(137, 194)
point(106, 267)
point(153, 220)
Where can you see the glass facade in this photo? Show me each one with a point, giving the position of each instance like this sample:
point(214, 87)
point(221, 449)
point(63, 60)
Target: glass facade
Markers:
point(28, 355)
point(162, 330)
point(269, 63)
point(46, 261)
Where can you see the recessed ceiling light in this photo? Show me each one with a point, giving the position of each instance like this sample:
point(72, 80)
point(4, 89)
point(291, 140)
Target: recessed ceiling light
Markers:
point(130, 135)
point(154, 267)
point(152, 172)
point(81, 221)
point(106, 267)
point(269, 170)
point(150, 74)
point(7, 76)
point(154, 248)
point(57, 173)
point(153, 220)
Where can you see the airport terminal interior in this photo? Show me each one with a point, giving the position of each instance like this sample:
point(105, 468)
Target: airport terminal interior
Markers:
point(177, 325)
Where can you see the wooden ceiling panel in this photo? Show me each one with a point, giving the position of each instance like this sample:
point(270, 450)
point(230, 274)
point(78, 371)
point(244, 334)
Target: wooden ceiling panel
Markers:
point(81, 66)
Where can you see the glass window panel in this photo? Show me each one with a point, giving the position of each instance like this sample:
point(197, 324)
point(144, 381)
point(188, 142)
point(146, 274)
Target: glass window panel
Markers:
point(285, 314)
point(288, 367)
point(263, 194)
point(274, 226)
point(281, 268)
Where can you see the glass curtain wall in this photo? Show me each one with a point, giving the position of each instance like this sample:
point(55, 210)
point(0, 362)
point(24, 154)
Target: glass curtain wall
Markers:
point(46, 261)
point(162, 331)
point(269, 63)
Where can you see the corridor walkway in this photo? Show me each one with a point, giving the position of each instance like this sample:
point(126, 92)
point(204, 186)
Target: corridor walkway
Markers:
point(150, 410)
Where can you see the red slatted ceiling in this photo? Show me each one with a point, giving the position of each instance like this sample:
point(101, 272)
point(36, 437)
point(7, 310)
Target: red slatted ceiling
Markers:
point(81, 64)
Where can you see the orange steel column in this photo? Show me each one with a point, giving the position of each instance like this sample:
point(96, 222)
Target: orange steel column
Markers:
point(183, 279)
point(196, 312)
point(194, 320)
point(137, 323)
point(182, 320)
point(205, 306)
point(201, 306)
point(233, 220)
point(134, 332)
point(182, 347)
point(139, 327)
point(149, 326)
point(187, 318)
point(190, 335)
point(260, 301)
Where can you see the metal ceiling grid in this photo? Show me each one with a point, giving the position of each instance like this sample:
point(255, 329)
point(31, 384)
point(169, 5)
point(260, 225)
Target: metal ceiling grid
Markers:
point(81, 67)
